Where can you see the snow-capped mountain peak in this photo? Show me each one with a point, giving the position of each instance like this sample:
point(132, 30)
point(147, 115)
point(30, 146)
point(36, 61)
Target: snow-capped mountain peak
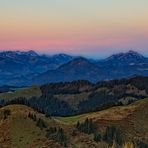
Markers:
point(128, 56)
point(14, 54)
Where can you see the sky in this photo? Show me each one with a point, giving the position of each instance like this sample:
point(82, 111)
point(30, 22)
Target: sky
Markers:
point(94, 28)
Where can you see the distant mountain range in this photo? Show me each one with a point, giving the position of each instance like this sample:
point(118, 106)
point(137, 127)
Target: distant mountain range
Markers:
point(125, 65)
point(28, 68)
point(17, 68)
point(77, 69)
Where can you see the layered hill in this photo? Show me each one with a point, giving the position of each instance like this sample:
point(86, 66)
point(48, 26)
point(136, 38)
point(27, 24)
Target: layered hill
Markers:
point(70, 98)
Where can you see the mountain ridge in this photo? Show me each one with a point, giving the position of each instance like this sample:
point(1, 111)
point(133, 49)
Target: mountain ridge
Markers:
point(126, 58)
point(22, 67)
point(77, 69)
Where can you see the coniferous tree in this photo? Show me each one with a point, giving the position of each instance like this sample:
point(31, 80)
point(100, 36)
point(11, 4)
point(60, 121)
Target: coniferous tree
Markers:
point(113, 134)
point(87, 126)
point(41, 124)
point(61, 137)
point(78, 125)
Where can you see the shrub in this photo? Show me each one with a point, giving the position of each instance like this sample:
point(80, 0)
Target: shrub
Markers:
point(41, 124)
point(97, 137)
point(7, 112)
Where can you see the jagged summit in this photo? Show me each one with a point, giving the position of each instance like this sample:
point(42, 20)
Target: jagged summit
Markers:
point(130, 56)
point(31, 53)
point(12, 54)
point(62, 56)
point(78, 62)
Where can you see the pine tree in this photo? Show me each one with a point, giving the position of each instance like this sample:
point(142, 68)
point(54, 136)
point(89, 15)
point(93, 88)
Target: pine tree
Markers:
point(61, 137)
point(34, 117)
point(78, 125)
point(41, 124)
point(87, 126)
point(112, 133)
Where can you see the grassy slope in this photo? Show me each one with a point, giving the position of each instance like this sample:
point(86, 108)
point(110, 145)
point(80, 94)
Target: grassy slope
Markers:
point(4, 133)
point(20, 131)
point(24, 92)
point(114, 113)
point(132, 119)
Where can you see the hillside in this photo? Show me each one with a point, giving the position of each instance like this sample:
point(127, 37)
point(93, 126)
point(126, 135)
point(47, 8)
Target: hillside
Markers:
point(131, 114)
point(71, 98)
point(19, 129)
point(28, 92)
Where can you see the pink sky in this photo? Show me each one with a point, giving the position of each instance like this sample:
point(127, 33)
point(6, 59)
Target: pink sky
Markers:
point(76, 27)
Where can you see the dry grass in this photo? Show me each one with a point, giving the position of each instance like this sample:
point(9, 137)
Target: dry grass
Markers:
point(20, 131)
point(5, 139)
point(114, 113)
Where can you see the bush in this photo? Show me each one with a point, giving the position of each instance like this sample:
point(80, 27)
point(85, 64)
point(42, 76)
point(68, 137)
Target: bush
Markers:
point(97, 137)
point(50, 131)
point(7, 112)
point(32, 116)
point(41, 124)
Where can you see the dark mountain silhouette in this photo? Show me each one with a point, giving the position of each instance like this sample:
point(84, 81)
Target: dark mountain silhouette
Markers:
point(27, 68)
point(128, 58)
point(77, 69)
point(17, 68)
point(125, 65)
